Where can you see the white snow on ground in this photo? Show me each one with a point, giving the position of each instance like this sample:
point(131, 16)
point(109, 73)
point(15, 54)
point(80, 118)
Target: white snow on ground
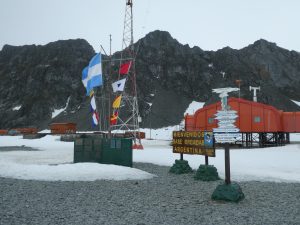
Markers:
point(56, 112)
point(54, 162)
point(193, 107)
point(17, 108)
point(54, 159)
point(298, 103)
point(165, 133)
point(267, 164)
point(45, 131)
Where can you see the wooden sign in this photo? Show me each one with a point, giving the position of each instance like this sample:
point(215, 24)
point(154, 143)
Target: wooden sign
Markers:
point(194, 142)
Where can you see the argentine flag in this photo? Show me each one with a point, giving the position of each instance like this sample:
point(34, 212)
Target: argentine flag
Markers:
point(92, 74)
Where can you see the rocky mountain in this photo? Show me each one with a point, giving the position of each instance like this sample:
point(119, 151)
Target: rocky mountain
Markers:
point(37, 80)
point(190, 74)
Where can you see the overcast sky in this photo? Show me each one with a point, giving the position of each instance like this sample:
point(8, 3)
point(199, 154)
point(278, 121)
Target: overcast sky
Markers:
point(209, 24)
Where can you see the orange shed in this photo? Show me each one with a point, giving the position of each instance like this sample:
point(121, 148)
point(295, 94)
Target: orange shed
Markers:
point(63, 128)
point(3, 132)
point(27, 130)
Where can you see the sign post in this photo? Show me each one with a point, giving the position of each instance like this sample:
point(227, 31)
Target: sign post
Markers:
point(227, 164)
point(206, 160)
point(226, 133)
point(196, 143)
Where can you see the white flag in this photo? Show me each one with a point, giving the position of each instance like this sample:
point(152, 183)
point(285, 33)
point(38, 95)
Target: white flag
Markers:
point(119, 85)
point(93, 103)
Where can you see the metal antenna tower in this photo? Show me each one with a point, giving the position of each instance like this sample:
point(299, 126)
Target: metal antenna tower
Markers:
point(128, 113)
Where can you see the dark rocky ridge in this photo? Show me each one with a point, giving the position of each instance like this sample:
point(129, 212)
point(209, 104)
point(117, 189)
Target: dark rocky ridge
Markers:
point(41, 79)
point(169, 75)
point(192, 73)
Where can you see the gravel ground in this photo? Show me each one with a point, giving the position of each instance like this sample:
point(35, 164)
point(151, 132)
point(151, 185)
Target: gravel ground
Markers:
point(166, 199)
point(17, 148)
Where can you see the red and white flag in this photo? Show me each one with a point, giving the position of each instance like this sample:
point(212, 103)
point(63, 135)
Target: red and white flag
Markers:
point(95, 118)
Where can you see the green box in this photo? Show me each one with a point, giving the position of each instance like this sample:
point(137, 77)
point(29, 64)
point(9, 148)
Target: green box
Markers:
point(117, 151)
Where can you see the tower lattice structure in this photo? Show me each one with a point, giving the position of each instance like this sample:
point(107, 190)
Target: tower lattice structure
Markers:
point(128, 113)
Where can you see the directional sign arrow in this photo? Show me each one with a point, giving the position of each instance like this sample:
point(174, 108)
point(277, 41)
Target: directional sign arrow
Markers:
point(226, 121)
point(226, 117)
point(225, 140)
point(224, 126)
point(223, 112)
point(225, 130)
point(227, 135)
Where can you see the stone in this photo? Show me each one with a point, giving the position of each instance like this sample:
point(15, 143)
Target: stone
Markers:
point(207, 173)
point(228, 192)
point(180, 167)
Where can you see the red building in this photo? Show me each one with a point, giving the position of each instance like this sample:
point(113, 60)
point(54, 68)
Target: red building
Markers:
point(270, 124)
point(63, 128)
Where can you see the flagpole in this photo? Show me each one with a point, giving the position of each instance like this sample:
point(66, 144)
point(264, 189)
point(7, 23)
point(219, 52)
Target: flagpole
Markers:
point(106, 89)
point(97, 108)
point(100, 127)
point(109, 88)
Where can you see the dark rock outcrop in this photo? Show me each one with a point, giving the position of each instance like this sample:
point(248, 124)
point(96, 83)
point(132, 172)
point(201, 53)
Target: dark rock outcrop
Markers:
point(191, 74)
point(274, 69)
point(40, 79)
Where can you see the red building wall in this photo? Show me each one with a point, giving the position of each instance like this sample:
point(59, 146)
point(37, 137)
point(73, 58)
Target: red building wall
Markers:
point(253, 117)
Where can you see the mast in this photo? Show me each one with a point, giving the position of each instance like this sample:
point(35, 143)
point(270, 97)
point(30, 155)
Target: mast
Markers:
point(128, 113)
point(104, 98)
point(109, 90)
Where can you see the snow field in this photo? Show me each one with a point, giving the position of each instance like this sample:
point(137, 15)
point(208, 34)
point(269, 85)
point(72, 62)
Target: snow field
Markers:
point(53, 161)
